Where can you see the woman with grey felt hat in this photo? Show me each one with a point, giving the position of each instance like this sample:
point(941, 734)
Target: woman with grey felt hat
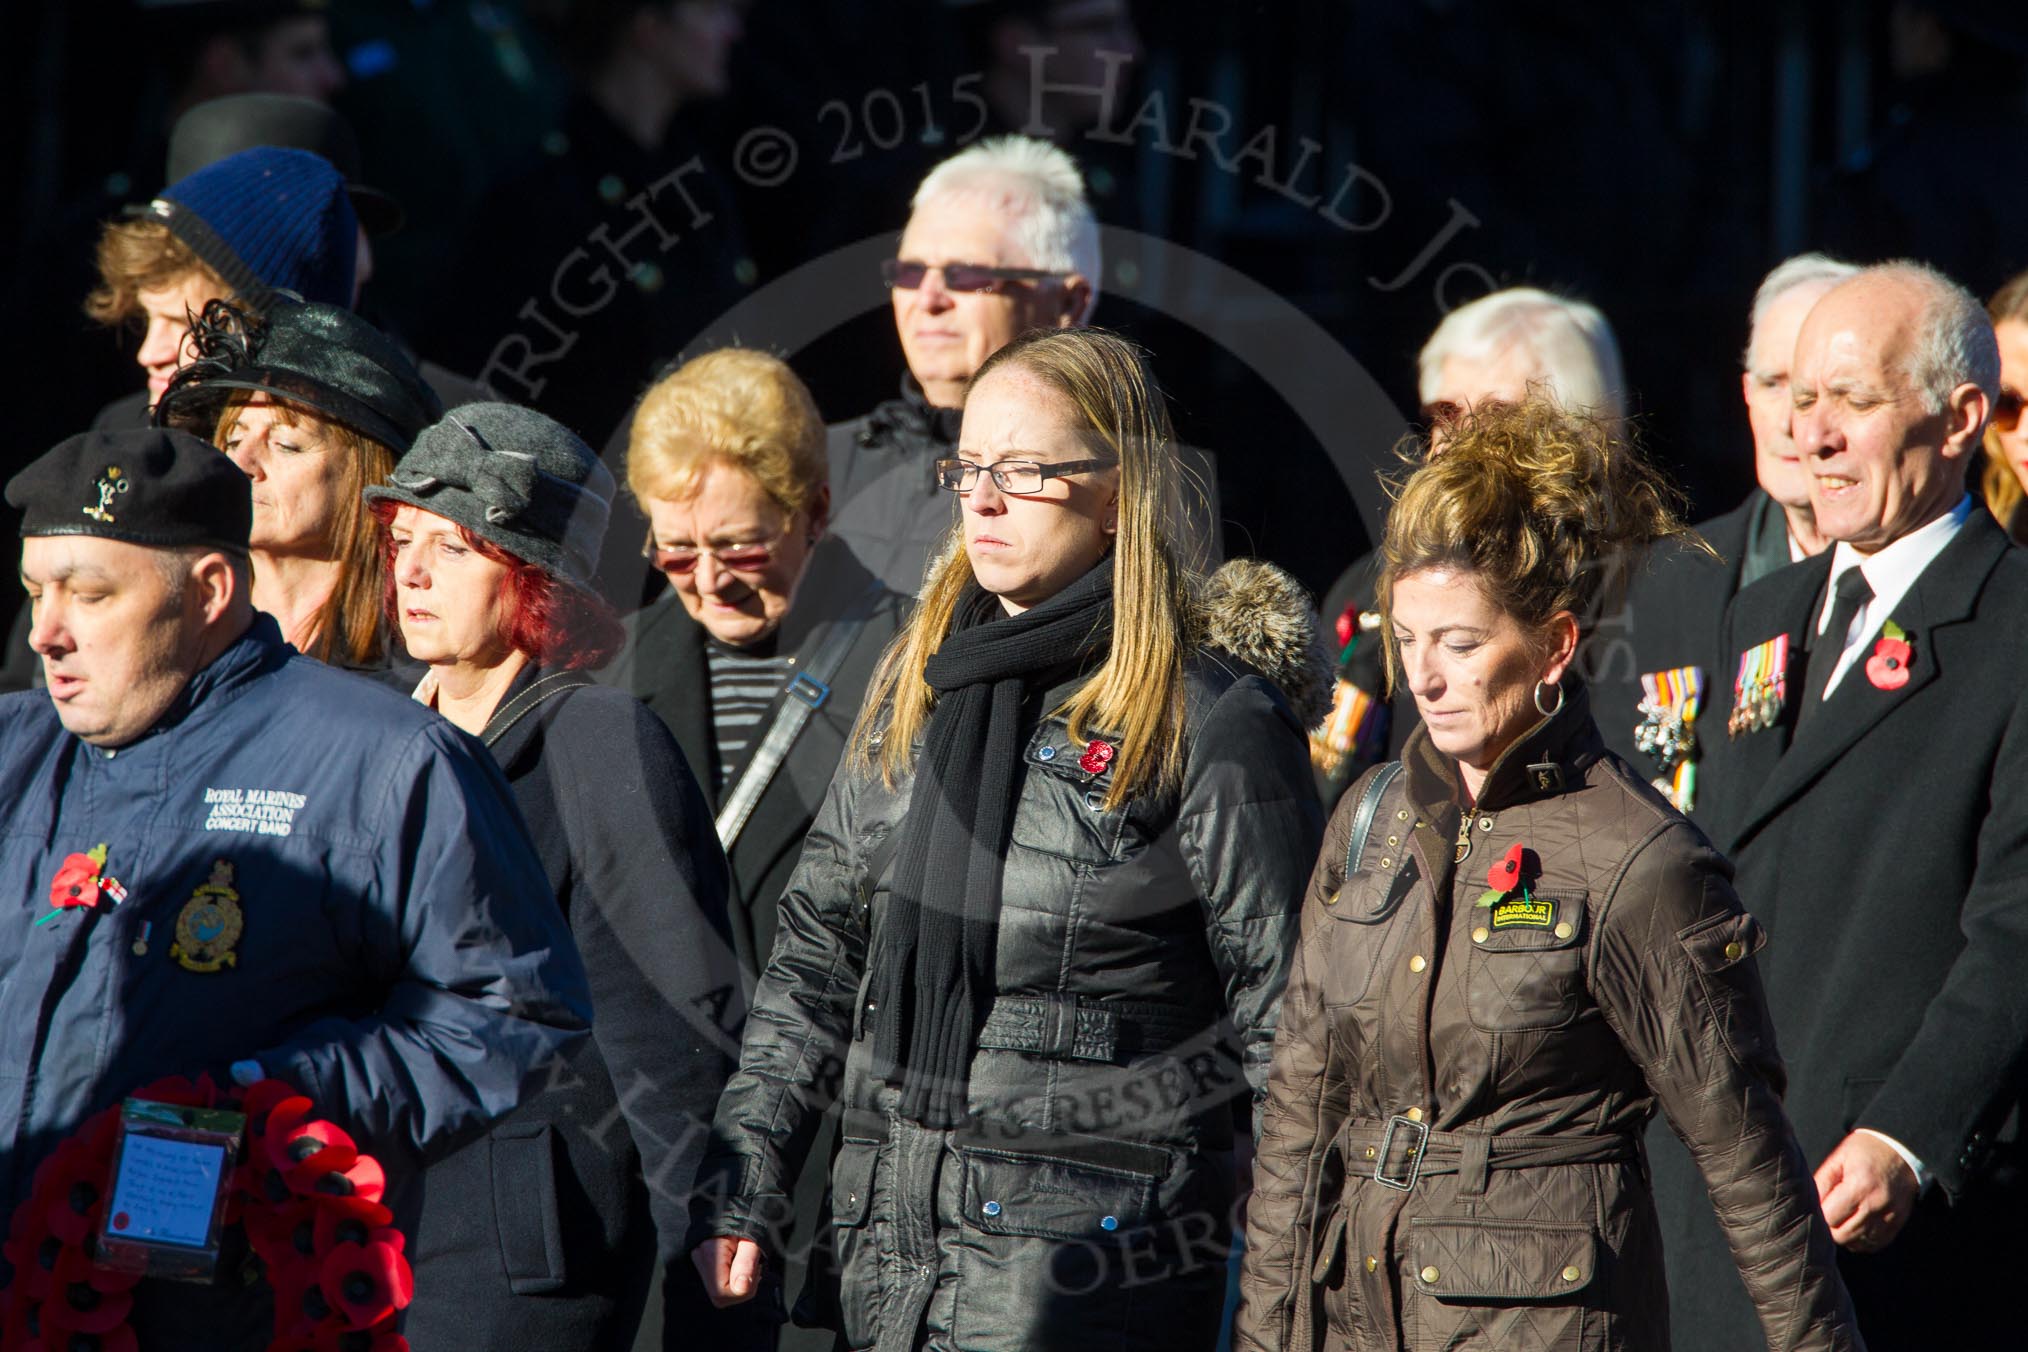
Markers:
point(545, 1235)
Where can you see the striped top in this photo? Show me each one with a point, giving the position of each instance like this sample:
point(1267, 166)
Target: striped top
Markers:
point(744, 686)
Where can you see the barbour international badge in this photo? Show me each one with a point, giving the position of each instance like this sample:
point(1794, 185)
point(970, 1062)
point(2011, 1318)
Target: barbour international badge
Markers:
point(1669, 706)
point(1761, 688)
point(1524, 912)
point(209, 924)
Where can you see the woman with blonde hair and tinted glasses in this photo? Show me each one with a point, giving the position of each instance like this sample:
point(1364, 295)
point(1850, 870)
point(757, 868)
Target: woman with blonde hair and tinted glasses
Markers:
point(1040, 928)
point(2006, 473)
point(758, 656)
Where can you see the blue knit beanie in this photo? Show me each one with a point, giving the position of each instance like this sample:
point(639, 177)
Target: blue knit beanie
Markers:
point(268, 220)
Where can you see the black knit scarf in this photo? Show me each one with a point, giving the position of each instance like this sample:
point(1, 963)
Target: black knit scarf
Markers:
point(933, 957)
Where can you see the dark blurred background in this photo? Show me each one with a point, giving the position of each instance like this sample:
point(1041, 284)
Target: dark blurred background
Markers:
point(1655, 159)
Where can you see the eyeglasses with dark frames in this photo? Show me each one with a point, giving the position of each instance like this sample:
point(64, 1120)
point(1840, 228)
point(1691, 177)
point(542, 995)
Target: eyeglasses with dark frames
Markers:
point(906, 274)
point(1018, 477)
point(743, 558)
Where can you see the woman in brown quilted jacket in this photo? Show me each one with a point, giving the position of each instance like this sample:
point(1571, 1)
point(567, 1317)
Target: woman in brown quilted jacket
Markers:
point(1514, 951)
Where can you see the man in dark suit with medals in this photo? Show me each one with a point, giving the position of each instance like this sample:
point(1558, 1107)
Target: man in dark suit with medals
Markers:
point(1652, 684)
point(1875, 733)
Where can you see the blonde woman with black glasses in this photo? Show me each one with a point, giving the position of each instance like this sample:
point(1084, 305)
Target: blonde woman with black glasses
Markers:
point(1040, 929)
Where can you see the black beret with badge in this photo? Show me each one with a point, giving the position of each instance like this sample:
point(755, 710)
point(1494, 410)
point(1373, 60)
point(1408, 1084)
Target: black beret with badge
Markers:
point(151, 486)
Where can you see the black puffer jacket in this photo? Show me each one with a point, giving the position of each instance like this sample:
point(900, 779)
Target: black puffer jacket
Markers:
point(885, 502)
point(1140, 960)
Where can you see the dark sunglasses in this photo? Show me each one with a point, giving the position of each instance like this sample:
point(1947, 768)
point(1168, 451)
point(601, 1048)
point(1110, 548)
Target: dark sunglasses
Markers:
point(2007, 409)
point(906, 274)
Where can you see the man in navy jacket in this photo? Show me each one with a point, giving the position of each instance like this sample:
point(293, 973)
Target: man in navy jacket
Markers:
point(298, 873)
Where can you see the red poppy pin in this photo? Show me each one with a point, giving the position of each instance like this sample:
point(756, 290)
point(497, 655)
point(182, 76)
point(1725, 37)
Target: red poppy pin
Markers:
point(1506, 875)
point(80, 881)
point(1887, 668)
point(1097, 756)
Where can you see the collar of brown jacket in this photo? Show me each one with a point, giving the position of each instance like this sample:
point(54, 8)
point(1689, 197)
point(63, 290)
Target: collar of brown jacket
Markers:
point(1549, 758)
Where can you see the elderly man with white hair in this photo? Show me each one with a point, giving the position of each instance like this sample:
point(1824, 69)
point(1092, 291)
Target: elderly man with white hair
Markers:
point(1654, 663)
point(1504, 345)
point(1868, 741)
point(1000, 240)
point(1498, 349)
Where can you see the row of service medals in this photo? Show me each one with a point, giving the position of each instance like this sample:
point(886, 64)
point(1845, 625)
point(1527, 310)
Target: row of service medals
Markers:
point(1761, 688)
point(1668, 730)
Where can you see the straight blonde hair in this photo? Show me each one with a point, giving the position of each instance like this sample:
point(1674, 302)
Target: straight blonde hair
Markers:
point(1136, 694)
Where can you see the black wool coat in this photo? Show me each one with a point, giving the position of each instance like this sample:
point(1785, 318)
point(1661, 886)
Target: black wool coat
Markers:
point(1885, 849)
point(1672, 617)
point(664, 667)
point(543, 1235)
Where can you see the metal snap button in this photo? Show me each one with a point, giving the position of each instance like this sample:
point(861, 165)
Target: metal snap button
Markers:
point(1564, 929)
point(991, 1208)
point(1394, 840)
point(1413, 1114)
point(1485, 823)
point(1481, 934)
point(1385, 862)
point(1417, 963)
point(1571, 1274)
point(1402, 815)
point(1430, 1274)
point(1371, 1262)
point(1045, 753)
point(1109, 1223)
point(1734, 951)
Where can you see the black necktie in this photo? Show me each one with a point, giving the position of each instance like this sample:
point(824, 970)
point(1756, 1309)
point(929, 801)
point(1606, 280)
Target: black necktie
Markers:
point(1848, 598)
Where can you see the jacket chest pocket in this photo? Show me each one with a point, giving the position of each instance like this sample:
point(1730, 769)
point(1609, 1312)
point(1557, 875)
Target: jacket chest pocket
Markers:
point(1526, 971)
point(1359, 936)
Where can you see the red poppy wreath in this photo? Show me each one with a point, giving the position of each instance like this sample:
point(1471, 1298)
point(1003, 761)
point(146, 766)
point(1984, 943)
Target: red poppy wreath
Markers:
point(310, 1202)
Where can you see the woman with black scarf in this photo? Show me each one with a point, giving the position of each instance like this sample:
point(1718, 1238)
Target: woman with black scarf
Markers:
point(1040, 928)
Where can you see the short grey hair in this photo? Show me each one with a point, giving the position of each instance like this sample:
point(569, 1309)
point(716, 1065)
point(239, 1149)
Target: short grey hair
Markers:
point(1805, 269)
point(1038, 191)
point(1569, 339)
point(1954, 341)
point(175, 564)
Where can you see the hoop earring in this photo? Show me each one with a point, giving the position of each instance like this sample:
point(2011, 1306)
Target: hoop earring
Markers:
point(1549, 713)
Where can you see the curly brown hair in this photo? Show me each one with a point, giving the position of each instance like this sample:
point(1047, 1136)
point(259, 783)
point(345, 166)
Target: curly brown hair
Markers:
point(137, 256)
point(1546, 508)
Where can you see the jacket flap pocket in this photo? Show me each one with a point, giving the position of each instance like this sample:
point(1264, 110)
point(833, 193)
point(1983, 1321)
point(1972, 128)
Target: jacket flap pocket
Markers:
point(524, 1207)
point(1045, 1197)
point(1539, 923)
point(1718, 943)
point(1491, 1260)
point(852, 1182)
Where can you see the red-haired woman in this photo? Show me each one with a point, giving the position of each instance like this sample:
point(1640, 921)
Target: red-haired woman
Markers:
point(545, 1234)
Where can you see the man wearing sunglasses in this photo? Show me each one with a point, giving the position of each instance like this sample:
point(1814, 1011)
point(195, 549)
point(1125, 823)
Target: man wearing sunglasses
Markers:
point(1001, 240)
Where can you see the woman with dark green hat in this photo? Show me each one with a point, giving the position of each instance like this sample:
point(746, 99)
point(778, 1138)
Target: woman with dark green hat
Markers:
point(546, 1234)
point(313, 404)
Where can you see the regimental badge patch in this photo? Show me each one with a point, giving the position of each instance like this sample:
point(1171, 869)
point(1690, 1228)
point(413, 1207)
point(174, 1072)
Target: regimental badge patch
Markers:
point(1761, 688)
point(1529, 912)
point(111, 486)
point(210, 924)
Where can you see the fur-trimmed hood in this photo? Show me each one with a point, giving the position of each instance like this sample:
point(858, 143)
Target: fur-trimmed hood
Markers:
point(1266, 619)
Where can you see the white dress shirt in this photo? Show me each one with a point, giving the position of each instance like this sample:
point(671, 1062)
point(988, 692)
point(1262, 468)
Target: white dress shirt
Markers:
point(1890, 573)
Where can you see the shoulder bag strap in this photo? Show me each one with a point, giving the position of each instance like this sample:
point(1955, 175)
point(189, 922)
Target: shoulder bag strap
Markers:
point(518, 708)
point(807, 692)
point(1369, 806)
